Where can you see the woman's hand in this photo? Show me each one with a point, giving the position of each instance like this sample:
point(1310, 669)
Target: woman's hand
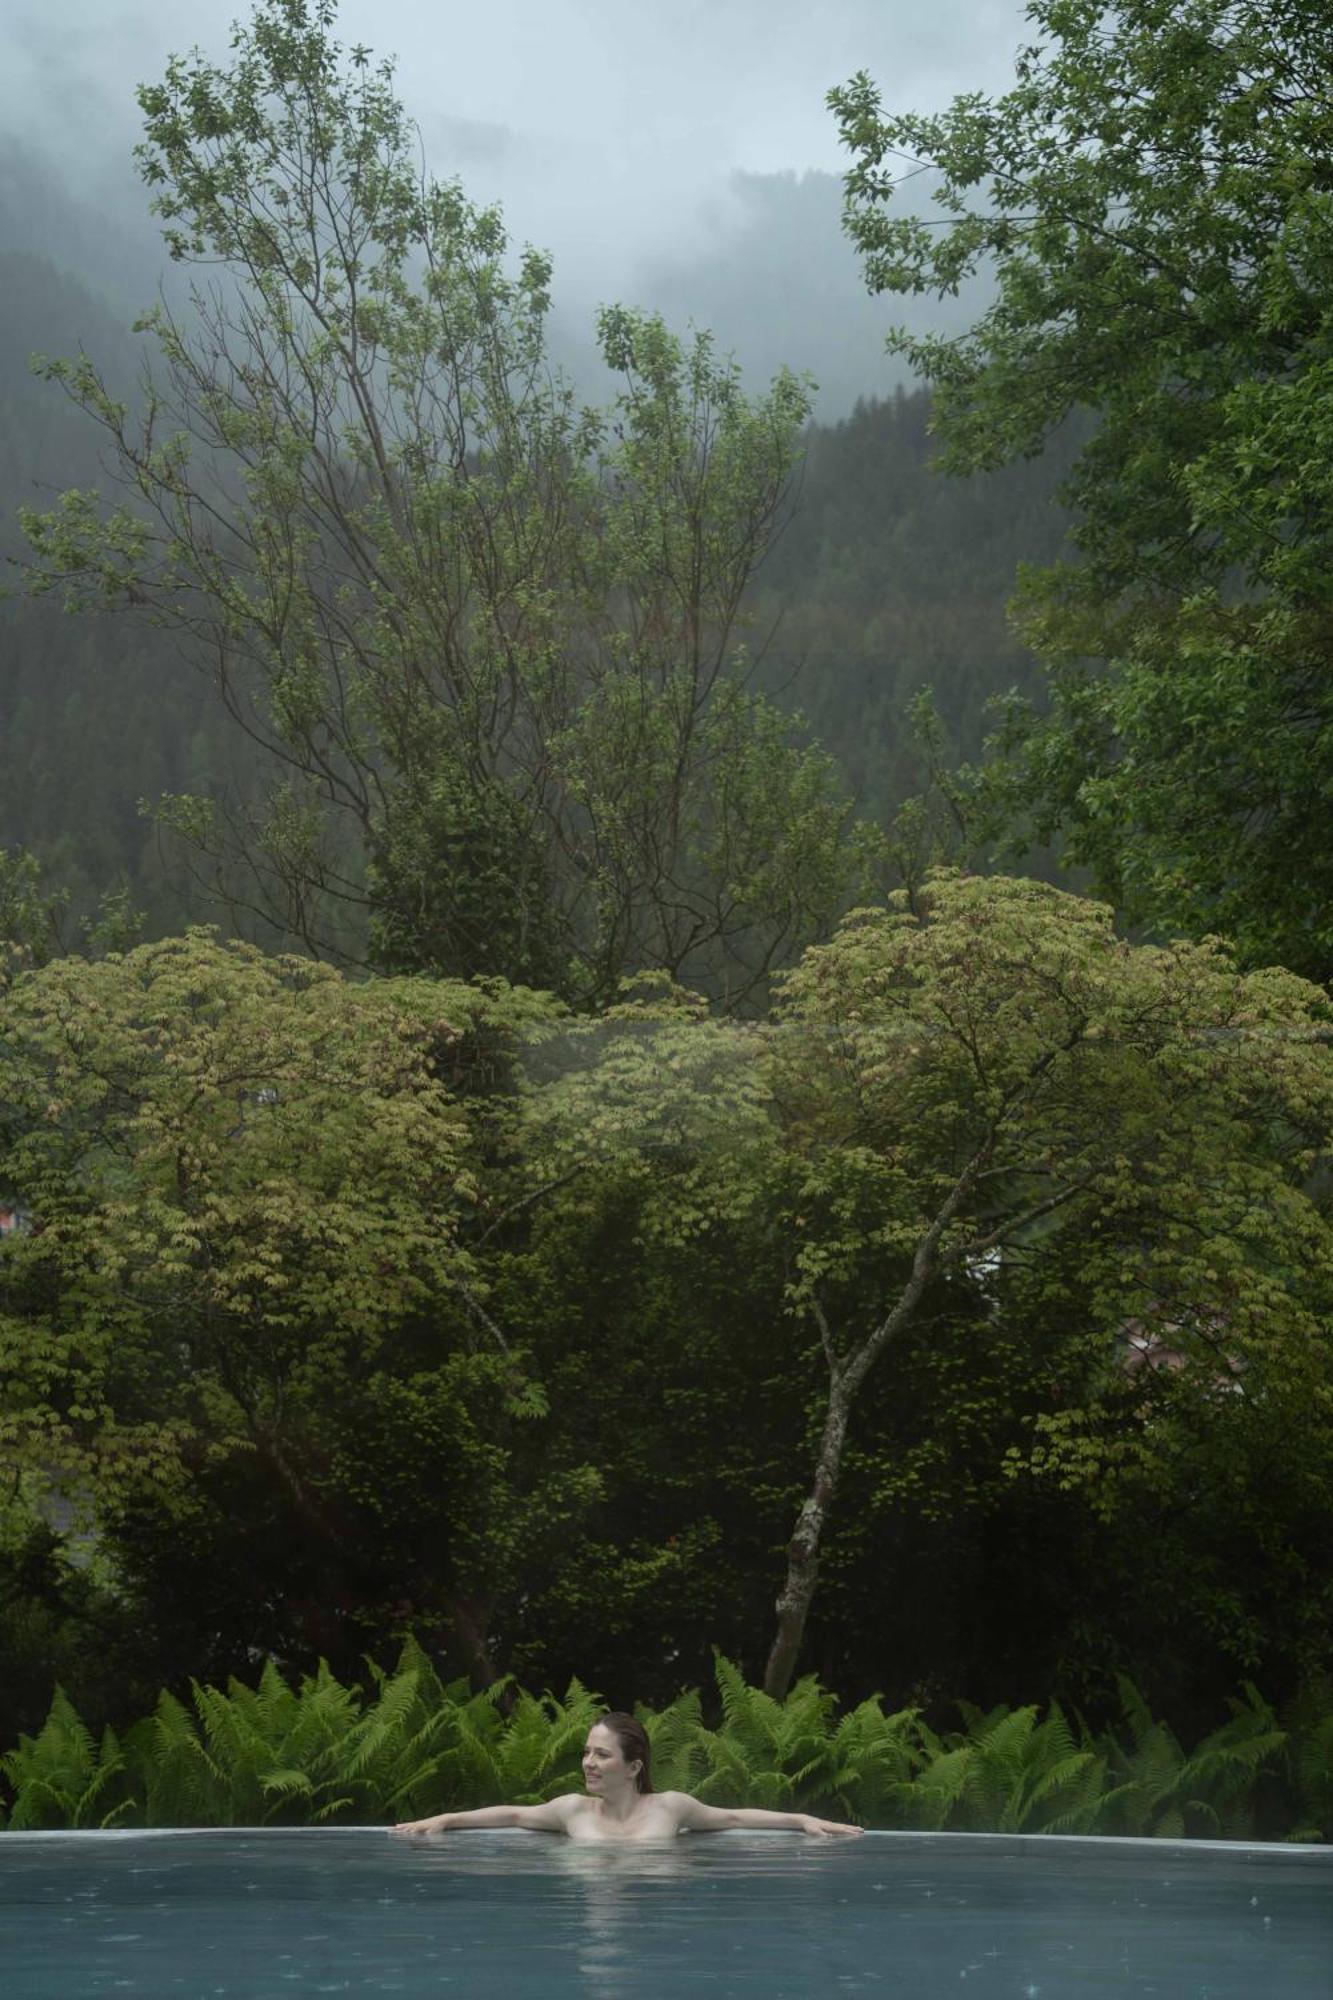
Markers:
point(412, 1829)
point(833, 1829)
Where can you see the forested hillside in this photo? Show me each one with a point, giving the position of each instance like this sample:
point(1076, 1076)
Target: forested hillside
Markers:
point(893, 579)
point(96, 712)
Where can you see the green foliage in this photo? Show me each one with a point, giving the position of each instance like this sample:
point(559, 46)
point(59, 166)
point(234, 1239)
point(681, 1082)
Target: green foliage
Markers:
point(488, 638)
point(1017, 1775)
point(411, 1307)
point(1209, 1792)
point(65, 1777)
point(33, 927)
point(776, 1752)
point(1152, 198)
point(448, 1340)
point(61, 1620)
point(29, 914)
point(967, 1092)
point(249, 1301)
point(890, 578)
point(321, 1752)
point(988, 1071)
point(244, 1145)
point(1309, 1727)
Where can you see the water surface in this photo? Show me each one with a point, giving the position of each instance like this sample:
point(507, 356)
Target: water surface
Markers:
point(503, 1916)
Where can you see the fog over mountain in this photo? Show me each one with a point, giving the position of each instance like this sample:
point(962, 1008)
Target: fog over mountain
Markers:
point(679, 157)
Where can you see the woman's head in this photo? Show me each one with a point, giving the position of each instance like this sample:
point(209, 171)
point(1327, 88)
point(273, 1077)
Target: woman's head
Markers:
point(617, 1744)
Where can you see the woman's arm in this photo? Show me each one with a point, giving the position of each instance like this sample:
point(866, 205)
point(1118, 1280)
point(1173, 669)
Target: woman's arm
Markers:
point(725, 1819)
point(552, 1817)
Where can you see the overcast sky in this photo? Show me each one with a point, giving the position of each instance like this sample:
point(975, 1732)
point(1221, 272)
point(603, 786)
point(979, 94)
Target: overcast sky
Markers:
point(737, 82)
point(649, 92)
point(611, 130)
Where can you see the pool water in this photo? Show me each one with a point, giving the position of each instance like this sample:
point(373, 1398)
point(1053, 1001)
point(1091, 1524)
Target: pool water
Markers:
point(248, 1915)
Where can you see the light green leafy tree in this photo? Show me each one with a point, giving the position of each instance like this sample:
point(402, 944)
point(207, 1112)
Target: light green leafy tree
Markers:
point(250, 1294)
point(962, 1101)
point(1153, 199)
point(214, 1137)
point(487, 640)
point(994, 1077)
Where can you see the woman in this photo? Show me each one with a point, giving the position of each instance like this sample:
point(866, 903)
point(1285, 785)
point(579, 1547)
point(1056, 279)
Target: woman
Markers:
point(619, 1802)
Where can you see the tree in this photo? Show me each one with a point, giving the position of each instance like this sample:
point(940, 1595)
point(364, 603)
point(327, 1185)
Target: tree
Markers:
point(1153, 198)
point(488, 639)
point(968, 1079)
point(247, 1325)
point(987, 1104)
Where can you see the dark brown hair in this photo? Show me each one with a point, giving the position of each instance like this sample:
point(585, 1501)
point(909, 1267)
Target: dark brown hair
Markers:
point(632, 1737)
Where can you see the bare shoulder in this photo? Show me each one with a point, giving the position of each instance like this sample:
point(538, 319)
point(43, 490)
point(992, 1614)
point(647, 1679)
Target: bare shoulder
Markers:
point(553, 1815)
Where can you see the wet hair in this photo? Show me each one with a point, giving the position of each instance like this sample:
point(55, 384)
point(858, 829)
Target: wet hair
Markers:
point(632, 1737)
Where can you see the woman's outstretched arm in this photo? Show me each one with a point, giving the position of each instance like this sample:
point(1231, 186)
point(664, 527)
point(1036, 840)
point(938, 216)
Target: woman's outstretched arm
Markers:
point(726, 1819)
point(552, 1817)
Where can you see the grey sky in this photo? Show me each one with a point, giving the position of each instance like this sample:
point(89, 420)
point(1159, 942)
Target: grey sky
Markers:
point(611, 130)
point(735, 83)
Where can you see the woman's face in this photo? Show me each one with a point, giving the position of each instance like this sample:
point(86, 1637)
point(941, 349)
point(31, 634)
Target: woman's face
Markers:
point(604, 1761)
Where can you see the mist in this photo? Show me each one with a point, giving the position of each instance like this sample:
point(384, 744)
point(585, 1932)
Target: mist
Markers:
point(680, 159)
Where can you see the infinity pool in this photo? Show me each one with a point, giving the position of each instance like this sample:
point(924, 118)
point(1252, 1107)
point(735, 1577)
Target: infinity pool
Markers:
point(248, 1915)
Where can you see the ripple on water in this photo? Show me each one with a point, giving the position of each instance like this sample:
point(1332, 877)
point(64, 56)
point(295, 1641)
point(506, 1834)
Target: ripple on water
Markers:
point(500, 1917)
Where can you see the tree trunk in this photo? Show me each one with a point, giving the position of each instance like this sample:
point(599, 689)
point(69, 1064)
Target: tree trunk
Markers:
point(793, 1605)
point(845, 1379)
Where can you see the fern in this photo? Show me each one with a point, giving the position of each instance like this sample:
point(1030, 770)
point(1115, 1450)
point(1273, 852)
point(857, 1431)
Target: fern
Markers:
point(675, 1735)
point(874, 1760)
point(941, 1786)
point(62, 1777)
point(317, 1751)
point(178, 1776)
point(768, 1753)
point(540, 1754)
